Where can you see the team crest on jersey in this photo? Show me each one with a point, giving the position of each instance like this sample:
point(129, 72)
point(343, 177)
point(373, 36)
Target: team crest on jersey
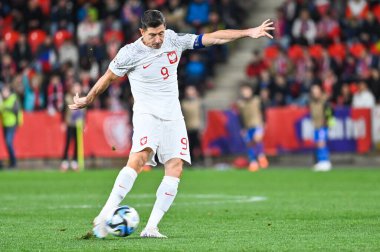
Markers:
point(172, 56)
point(143, 140)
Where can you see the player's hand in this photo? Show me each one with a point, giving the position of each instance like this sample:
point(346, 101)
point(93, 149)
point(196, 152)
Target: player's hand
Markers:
point(79, 102)
point(262, 30)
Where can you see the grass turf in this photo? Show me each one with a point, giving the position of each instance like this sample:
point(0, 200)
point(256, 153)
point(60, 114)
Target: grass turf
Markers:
point(214, 211)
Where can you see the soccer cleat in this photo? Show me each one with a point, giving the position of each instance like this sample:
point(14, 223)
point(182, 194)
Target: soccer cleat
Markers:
point(100, 230)
point(253, 166)
point(263, 162)
point(322, 166)
point(147, 168)
point(74, 165)
point(64, 165)
point(152, 233)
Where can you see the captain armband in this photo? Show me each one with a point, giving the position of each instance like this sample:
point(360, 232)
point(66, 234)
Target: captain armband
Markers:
point(198, 42)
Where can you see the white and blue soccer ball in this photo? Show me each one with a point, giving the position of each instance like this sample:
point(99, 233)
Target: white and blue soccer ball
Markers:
point(122, 221)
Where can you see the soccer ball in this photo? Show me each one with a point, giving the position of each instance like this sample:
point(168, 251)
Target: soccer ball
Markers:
point(122, 221)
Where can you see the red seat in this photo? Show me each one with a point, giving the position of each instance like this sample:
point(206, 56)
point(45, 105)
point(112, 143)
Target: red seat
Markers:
point(11, 38)
point(334, 33)
point(316, 51)
point(61, 36)
point(357, 49)
point(271, 52)
point(295, 52)
point(36, 38)
point(337, 51)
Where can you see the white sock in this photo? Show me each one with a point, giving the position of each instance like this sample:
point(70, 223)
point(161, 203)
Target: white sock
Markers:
point(123, 184)
point(166, 193)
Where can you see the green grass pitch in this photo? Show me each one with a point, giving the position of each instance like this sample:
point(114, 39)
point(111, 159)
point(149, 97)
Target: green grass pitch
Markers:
point(272, 210)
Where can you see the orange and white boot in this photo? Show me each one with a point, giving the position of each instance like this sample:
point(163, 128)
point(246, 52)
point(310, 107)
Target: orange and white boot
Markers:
point(253, 166)
point(263, 162)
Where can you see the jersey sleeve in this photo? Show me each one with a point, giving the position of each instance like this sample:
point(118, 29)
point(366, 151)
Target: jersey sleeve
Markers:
point(187, 41)
point(121, 64)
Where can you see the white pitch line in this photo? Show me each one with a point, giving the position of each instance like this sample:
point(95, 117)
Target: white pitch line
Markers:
point(228, 199)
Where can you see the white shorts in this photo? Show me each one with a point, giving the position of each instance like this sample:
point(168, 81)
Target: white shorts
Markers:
point(167, 139)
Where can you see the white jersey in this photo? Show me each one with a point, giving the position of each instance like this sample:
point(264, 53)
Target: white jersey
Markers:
point(152, 74)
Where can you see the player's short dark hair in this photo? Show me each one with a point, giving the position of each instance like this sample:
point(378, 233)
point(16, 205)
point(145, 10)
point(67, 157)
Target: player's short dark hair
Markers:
point(152, 18)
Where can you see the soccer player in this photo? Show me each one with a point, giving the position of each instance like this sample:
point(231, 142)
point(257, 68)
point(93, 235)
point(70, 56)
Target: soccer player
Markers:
point(252, 118)
point(158, 127)
point(321, 116)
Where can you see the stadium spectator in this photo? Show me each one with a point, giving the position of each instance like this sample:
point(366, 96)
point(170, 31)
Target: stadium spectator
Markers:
point(256, 66)
point(175, 14)
point(8, 68)
point(46, 56)
point(370, 32)
point(345, 96)
point(343, 50)
point(329, 83)
point(55, 95)
point(281, 64)
point(327, 29)
point(192, 109)
point(68, 52)
point(33, 15)
point(22, 53)
point(280, 91)
point(265, 98)
point(77, 38)
point(88, 28)
point(112, 8)
point(265, 79)
point(33, 96)
point(357, 9)
point(198, 13)
point(374, 83)
point(18, 87)
point(216, 53)
point(281, 33)
point(196, 71)
point(11, 117)
point(363, 98)
point(130, 15)
point(232, 14)
point(304, 92)
point(304, 30)
point(62, 17)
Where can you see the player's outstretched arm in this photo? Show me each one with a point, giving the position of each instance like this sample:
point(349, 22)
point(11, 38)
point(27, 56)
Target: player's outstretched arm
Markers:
point(225, 36)
point(100, 86)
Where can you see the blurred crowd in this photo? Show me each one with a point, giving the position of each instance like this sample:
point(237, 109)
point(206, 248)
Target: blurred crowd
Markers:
point(48, 46)
point(335, 44)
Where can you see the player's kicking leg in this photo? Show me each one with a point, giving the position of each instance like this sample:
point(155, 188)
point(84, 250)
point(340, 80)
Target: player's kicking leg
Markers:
point(123, 184)
point(166, 194)
point(252, 155)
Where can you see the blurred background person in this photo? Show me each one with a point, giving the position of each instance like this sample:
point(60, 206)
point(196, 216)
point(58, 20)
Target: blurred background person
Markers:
point(34, 98)
point(320, 113)
point(363, 98)
point(71, 119)
point(251, 115)
point(192, 109)
point(304, 29)
point(11, 117)
point(55, 95)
